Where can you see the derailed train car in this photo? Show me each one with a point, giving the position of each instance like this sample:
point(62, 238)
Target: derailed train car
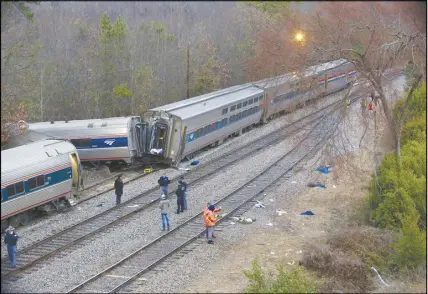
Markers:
point(183, 127)
point(116, 139)
point(37, 177)
point(179, 129)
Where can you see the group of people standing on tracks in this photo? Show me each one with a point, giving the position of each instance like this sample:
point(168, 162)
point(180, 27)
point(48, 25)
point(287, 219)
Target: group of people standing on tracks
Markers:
point(181, 193)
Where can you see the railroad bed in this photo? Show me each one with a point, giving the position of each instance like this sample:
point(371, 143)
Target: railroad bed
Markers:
point(121, 275)
point(81, 231)
point(43, 249)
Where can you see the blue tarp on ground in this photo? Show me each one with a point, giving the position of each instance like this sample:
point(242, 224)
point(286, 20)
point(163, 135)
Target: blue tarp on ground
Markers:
point(307, 212)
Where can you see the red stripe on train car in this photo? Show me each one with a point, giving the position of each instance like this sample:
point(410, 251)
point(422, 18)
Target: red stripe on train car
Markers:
point(36, 174)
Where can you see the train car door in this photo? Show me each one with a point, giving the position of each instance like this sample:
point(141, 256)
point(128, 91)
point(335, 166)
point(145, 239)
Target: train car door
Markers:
point(76, 172)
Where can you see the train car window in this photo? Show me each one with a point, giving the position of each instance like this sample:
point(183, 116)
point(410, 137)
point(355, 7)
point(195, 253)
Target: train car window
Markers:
point(224, 111)
point(256, 99)
point(245, 113)
point(213, 126)
point(239, 116)
point(36, 182)
point(199, 133)
point(261, 98)
point(224, 122)
point(207, 129)
point(250, 101)
point(245, 104)
point(202, 131)
point(85, 142)
point(15, 189)
point(233, 107)
point(219, 124)
point(75, 142)
point(239, 105)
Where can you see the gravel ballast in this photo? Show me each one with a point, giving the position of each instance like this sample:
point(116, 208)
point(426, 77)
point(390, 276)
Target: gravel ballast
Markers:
point(109, 247)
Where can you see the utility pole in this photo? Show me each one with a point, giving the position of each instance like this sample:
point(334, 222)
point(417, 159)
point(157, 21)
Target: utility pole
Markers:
point(188, 69)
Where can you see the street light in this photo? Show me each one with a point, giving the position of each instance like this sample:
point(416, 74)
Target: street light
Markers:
point(299, 37)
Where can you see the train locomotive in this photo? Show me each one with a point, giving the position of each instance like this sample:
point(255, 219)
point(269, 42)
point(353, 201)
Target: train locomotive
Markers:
point(37, 177)
point(182, 128)
point(116, 139)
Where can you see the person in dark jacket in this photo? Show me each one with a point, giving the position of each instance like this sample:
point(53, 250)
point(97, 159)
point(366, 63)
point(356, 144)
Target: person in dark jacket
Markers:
point(180, 196)
point(163, 183)
point(118, 187)
point(11, 240)
point(183, 185)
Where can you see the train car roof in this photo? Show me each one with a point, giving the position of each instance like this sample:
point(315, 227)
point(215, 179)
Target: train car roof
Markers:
point(200, 106)
point(310, 71)
point(84, 123)
point(197, 99)
point(33, 153)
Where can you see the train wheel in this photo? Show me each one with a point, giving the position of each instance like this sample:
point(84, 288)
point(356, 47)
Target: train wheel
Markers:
point(26, 217)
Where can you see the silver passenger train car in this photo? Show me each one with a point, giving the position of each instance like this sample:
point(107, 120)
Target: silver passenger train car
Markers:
point(179, 129)
point(116, 139)
point(40, 176)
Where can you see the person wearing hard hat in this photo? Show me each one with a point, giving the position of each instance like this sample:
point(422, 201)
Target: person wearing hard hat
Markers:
point(210, 223)
point(206, 210)
point(11, 239)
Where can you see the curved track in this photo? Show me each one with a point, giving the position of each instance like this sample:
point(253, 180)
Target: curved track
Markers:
point(124, 272)
point(43, 249)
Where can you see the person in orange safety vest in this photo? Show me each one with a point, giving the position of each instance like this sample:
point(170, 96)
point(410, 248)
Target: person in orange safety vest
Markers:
point(210, 221)
point(206, 210)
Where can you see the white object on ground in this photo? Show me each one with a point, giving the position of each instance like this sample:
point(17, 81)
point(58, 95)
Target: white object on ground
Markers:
point(293, 182)
point(334, 186)
point(186, 169)
point(232, 223)
point(132, 206)
point(281, 212)
point(290, 263)
point(272, 252)
point(299, 251)
point(380, 278)
point(270, 224)
point(259, 205)
point(235, 218)
point(272, 200)
point(156, 151)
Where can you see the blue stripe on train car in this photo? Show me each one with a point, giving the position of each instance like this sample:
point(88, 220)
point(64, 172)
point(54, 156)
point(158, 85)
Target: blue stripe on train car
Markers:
point(50, 180)
point(106, 143)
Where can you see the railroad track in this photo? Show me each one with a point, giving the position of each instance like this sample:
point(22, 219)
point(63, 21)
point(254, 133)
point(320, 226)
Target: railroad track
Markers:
point(39, 251)
point(73, 235)
point(123, 273)
point(79, 232)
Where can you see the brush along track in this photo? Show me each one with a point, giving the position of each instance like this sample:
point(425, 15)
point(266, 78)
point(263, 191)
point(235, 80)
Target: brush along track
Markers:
point(125, 271)
point(79, 232)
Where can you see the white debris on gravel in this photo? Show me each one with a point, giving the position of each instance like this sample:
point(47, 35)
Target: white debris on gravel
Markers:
point(108, 248)
point(45, 227)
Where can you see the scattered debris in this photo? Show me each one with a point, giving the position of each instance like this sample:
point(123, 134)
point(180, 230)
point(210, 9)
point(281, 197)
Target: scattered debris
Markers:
point(380, 278)
point(272, 200)
point(186, 169)
point(235, 218)
point(290, 263)
point(264, 194)
point(99, 205)
point(281, 212)
point(307, 212)
point(334, 186)
point(313, 185)
point(195, 162)
point(293, 182)
point(273, 253)
point(259, 204)
point(132, 206)
point(325, 169)
point(79, 208)
point(247, 220)
point(232, 223)
point(220, 215)
point(299, 251)
point(270, 224)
